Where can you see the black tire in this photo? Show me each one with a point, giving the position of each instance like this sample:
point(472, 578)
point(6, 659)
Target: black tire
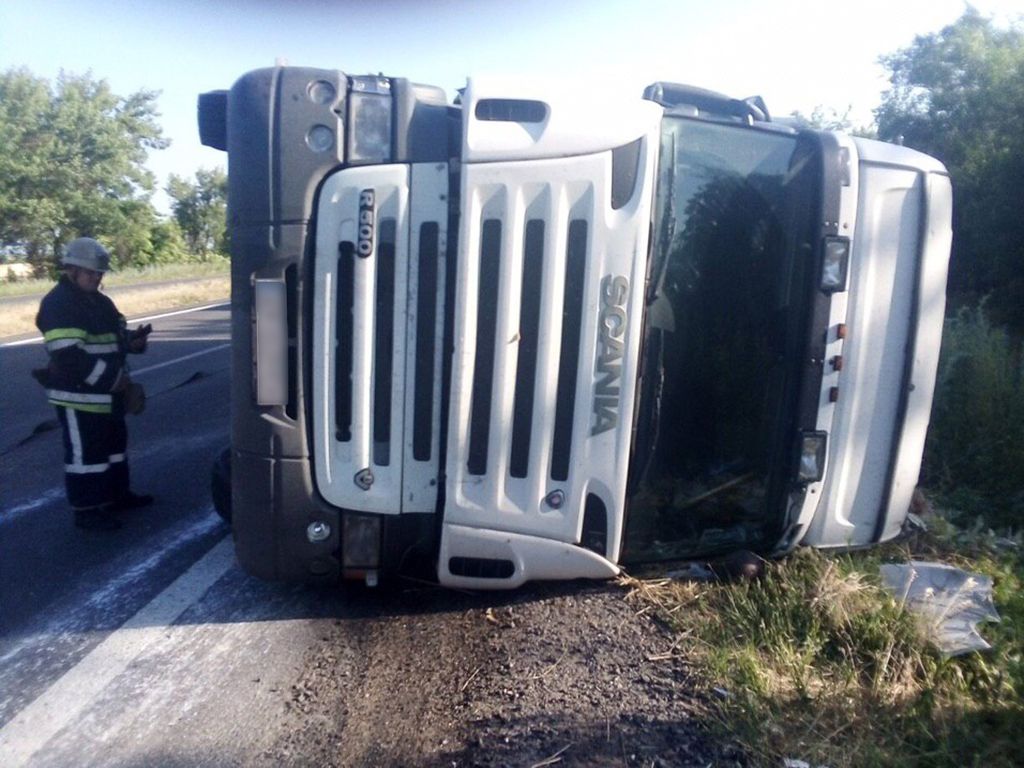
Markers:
point(220, 485)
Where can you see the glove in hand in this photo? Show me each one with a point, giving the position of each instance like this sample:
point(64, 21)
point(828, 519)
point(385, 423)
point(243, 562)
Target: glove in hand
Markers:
point(139, 338)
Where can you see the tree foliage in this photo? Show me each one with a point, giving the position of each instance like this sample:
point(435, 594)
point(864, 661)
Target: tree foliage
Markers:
point(72, 163)
point(959, 95)
point(823, 118)
point(200, 208)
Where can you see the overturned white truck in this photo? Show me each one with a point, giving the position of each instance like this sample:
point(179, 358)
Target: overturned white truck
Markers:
point(540, 333)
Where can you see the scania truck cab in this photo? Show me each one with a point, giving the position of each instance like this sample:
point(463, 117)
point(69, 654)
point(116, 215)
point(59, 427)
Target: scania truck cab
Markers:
point(542, 333)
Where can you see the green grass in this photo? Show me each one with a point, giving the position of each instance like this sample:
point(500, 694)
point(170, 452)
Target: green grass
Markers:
point(818, 662)
point(138, 276)
point(974, 455)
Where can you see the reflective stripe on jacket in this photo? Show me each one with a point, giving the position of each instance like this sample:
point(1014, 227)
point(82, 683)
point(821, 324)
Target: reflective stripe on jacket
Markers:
point(84, 337)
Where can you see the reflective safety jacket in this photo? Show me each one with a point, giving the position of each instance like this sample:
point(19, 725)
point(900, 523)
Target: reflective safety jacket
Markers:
point(85, 338)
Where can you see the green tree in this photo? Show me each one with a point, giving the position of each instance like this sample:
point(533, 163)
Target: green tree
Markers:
point(200, 208)
point(959, 95)
point(27, 214)
point(72, 163)
point(168, 244)
point(824, 118)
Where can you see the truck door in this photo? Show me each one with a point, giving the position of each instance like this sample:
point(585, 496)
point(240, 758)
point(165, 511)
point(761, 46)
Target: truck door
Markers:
point(377, 327)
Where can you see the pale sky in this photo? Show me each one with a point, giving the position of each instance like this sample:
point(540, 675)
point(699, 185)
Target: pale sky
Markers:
point(797, 54)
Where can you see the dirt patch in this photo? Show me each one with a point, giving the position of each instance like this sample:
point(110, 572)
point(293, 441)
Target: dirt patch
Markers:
point(566, 675)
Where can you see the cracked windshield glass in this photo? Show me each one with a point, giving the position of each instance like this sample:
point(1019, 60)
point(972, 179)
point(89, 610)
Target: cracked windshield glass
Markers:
point(728, 303)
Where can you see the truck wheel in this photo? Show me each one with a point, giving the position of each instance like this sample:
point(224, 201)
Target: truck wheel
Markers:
point(220, 485)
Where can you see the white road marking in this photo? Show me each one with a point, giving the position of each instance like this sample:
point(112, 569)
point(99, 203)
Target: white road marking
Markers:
point(54, 494)
point(179, 312)
point(37, 339)
point(182, 359)
point(62, 702)
point(100, 604)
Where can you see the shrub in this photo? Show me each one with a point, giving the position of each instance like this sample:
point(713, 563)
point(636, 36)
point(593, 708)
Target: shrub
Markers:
point(974, 455)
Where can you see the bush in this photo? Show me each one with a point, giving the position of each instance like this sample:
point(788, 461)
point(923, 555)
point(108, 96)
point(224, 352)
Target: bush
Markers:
point(974, 455)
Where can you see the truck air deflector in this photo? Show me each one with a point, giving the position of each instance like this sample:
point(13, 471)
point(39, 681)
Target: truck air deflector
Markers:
point(874, 357)
point(377, 316)
point(708, 105)
point(923, 360)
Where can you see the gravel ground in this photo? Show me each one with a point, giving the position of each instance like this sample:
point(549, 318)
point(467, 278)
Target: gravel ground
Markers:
point(566, 675)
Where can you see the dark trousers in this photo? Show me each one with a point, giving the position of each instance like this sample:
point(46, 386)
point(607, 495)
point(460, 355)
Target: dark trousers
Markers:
point(95, 458)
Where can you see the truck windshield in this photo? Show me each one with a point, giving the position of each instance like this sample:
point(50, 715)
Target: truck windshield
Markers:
point(725, 327)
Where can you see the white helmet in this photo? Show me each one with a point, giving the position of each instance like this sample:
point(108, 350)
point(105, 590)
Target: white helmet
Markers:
point(86, 252)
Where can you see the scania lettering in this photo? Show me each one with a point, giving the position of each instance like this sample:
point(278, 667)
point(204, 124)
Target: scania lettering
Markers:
point(545, 332)
point(611, 331)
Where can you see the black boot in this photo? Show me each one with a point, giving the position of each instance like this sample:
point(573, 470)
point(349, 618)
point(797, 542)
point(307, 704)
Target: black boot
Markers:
point(96, 519)
point(132, 501)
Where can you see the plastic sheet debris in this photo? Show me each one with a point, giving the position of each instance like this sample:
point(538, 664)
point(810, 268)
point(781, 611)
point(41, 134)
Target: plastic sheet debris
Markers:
point(949, 601)
point(735, 566)
point(915, 523)
point(692, 572)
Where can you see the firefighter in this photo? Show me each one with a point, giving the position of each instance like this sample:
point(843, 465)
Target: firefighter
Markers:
point(88, 382)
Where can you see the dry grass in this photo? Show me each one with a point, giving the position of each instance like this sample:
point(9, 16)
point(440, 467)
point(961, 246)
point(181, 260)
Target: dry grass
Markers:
point(19, 317)
point(154, 273)
point(815, 661)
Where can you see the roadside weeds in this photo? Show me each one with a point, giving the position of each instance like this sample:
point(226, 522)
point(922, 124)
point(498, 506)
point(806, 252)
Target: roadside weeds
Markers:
point(815, 661)
point(131, 300)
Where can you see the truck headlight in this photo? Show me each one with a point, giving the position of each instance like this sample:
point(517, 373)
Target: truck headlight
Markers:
point(834, 264)
point(369, 120)
point(810, 461)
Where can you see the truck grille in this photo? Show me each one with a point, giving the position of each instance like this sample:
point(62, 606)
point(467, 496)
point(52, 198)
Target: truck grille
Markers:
point(378, 298)
point(537, 243)
point(538, 419)
point(530, 264)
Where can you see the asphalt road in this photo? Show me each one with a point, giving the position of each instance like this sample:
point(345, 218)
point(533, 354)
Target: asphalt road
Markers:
point(148, 646)
point(78, 607)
